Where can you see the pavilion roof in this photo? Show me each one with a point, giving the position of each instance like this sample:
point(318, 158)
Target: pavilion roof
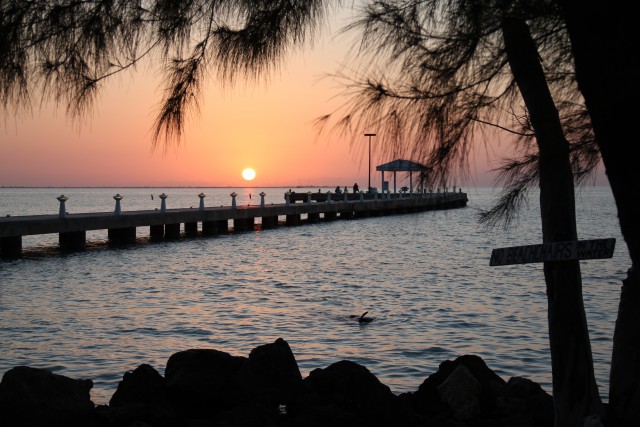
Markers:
point(400, 165)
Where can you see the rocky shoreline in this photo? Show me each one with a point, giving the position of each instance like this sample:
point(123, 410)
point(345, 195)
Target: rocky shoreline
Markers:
point(204, 387)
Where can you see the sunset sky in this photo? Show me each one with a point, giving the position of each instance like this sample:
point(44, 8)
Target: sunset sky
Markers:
point(267, 126)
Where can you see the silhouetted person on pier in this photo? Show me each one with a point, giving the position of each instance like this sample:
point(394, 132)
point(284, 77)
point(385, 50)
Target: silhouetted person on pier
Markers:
point(346, 190)
point(356, 188)
point(338, 190)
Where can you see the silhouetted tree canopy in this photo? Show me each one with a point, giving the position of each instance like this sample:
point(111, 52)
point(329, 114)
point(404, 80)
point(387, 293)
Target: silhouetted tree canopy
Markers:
point(429, 74)
point(64, 50)
point(431, 77)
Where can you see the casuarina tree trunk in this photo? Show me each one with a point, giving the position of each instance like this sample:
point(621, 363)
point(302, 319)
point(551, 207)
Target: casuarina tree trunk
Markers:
point(604, 44)
point(575, 392)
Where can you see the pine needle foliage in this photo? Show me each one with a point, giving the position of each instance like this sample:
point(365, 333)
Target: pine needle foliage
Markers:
point(432, 78)
point(65, 50)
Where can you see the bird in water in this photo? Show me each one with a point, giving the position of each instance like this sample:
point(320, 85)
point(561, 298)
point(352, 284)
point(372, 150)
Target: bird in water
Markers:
point(362, 318)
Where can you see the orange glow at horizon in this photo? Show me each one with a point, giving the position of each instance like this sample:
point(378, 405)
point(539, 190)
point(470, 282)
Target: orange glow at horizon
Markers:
point(269, 125)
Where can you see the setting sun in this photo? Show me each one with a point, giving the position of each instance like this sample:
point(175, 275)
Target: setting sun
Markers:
point(248, 174)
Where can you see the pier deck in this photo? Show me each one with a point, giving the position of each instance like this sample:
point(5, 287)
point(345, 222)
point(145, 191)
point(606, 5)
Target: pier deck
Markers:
point(166, 224)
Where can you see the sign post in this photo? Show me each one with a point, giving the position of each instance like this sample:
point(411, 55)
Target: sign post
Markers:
point(555, 251)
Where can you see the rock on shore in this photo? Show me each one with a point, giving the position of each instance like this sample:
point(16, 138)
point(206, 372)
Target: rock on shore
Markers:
point(205, 387)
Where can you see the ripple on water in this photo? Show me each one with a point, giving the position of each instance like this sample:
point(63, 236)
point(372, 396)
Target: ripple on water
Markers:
point(424, 278)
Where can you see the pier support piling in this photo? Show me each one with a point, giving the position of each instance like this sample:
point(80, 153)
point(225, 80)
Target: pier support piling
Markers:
point(172, 231)
point(222, 226)
point(293, 219)
point(73, 240)
point(240, 224)
point(122, 235)
point(209, 228)
point(346, 214)
point(191, 228)
point(269, 222)
point(156, 232)
point(11, 247)
point(330, 216)
point(243, 224)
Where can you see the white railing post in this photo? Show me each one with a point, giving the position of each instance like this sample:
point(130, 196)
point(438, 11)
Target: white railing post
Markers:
point(163, 204)
point(117, 198)
point(63, 210)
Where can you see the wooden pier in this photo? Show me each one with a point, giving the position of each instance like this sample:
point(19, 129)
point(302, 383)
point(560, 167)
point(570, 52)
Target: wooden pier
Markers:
point(166, 224)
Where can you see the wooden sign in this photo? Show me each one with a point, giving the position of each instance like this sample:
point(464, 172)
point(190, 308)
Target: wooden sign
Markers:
point(556, 251)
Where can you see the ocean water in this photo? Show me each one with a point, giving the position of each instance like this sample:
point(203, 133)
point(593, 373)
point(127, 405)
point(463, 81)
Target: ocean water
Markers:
point(424, 278)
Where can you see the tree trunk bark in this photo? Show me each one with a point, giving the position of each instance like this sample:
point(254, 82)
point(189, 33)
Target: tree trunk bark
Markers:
point(604, 43)
point(575, 392)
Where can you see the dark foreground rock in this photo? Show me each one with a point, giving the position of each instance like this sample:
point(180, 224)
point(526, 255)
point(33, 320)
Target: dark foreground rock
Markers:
point(466, 392)
point(204, 387)
point(37, 397)
point(346, 393)
point(141, 397)
point(199, 382)
point(270, 375)
point(144, 385)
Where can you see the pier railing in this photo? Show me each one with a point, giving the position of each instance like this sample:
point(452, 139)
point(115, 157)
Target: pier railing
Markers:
point(166, 223)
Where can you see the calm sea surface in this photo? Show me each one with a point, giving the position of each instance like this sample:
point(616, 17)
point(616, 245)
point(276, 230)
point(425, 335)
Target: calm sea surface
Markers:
point(425, 278)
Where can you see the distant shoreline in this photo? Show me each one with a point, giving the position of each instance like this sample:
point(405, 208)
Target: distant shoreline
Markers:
point(177, 186)
point(236, 186)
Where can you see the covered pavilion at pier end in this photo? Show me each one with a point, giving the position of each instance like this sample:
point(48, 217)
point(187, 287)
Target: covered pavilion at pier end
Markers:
point(400, 165)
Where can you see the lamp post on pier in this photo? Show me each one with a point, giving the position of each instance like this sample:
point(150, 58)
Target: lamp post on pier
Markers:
point(369, 135)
